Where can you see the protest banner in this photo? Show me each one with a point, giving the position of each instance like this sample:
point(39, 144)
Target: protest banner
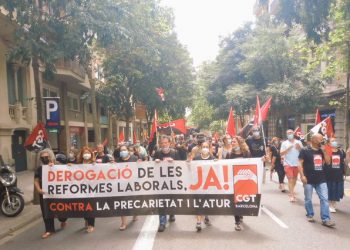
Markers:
point(224, 187)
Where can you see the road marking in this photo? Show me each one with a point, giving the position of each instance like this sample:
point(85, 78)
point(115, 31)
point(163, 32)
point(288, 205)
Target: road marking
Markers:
point(274, 217)
point(347, 192)
point(145, 240)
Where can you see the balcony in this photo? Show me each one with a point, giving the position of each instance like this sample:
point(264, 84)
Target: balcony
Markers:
point(12, 111)
point(71, 71)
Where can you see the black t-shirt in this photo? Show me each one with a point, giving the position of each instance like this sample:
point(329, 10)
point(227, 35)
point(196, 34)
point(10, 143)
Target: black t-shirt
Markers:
point(256, 146)
point(182, 152)
point(198, 157)
point(162, 156)
point(276, 153)
point(314, 168)
point(38, 174)
point(236, 156)
point(335, 171)
point(132, 158)
point(102, 159)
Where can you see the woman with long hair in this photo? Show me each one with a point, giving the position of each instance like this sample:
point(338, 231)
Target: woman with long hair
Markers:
point(240, 149)
point(86, 156)
point(276, 162)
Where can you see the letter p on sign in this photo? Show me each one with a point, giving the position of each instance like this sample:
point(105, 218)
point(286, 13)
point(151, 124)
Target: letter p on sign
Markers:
point(51, 107)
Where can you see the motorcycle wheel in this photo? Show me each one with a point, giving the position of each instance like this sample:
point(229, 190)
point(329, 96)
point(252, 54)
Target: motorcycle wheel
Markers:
point(12, 210)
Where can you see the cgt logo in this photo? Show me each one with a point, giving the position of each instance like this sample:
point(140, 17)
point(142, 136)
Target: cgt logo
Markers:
point(245, 197)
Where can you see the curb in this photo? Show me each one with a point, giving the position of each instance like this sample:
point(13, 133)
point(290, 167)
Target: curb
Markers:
point(26, 221)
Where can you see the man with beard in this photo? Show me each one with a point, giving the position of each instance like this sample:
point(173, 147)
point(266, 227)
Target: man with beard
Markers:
point(165, 153)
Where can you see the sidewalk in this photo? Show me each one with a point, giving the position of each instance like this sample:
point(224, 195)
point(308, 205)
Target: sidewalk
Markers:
point(30, 212)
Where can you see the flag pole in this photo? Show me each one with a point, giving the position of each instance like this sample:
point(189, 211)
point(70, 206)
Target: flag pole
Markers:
point(265, 147)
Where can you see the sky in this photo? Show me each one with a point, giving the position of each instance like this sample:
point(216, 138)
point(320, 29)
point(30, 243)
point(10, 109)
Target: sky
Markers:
point(201, 23)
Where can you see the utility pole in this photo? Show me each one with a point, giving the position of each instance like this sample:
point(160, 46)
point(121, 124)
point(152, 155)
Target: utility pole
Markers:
point(346, 113)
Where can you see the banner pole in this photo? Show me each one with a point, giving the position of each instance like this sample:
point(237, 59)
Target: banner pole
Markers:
point(265, 147)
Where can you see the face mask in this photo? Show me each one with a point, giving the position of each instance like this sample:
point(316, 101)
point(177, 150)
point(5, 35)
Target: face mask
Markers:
point(137, 144)
point(45, 160)
point(229, 141)
point(71, 156)
point(256, 133)
point(236, 148)
point(165, 150)
point(334, 144)
point(87, 156)
point(290, 136)
point(124, 154)
point(276, 143)
point(205, 151)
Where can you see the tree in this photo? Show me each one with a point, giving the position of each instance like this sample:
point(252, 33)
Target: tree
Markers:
point(134, 68)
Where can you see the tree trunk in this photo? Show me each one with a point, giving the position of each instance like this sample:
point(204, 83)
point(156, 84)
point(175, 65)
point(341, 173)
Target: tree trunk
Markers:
point(38, 89)
point(95, 122)
point(127, 127)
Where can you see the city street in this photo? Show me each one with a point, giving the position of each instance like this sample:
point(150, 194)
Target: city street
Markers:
point(281, 225)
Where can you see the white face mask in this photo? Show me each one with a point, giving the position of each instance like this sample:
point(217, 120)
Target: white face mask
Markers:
point(205, 151)
point(229, 141)
point(256, 133)
point(71, 155)
point(87, 156)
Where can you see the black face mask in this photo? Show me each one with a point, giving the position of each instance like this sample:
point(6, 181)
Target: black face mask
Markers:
point(45, 160)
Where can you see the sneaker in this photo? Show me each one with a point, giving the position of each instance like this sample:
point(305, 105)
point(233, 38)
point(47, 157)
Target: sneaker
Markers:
point(172, 218)
point(199, 226)
point(207, 221)
point(332, 210)
point(310, 219)
point(328, 223)
point(161, 228)
point(238, 227)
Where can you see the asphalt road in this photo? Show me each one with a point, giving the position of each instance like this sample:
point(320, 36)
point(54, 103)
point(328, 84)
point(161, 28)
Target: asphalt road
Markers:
point(281, 225)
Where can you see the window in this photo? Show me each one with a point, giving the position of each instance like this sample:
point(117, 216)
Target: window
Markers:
point(90, 108)
point(103, 111)
point(50, 92)
point(91, 136)
point(21, 85)
point(73, 102)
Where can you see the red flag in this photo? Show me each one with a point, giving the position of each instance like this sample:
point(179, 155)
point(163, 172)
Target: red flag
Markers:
point(330, 130)
point(134, 137)
point(177, 126)
point(231, 126)
point(298, 133)
point(324, 128)
point(265, 109)
point(317, 117)
point(121, 137)
point(216, 136)
point(153, 136)
point(160, 92)
point(105, 142)
point(37, 140)
point(257, 116)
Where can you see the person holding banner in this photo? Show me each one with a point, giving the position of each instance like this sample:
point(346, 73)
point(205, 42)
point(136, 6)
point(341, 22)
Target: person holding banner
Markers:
point(225, 150)
point(165, 153)
point(312, 173)
point(47, 157)
point(276, 162)
point(125, 156)
point(204, 155)
point(86, 156)
point(101, 157)
point(240, 149)
point(335, 175)
point(290, 149)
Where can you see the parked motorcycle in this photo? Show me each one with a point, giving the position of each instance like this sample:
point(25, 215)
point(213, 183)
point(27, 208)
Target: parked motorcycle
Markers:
point(11, 199)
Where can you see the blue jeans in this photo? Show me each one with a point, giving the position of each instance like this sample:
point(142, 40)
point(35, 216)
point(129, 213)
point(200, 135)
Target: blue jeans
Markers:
point(162, 219)
point(322, 192)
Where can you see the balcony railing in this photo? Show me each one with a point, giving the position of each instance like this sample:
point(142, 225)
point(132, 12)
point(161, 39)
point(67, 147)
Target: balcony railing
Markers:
point(72, 65)
point(24, 113)
point(12, 111)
